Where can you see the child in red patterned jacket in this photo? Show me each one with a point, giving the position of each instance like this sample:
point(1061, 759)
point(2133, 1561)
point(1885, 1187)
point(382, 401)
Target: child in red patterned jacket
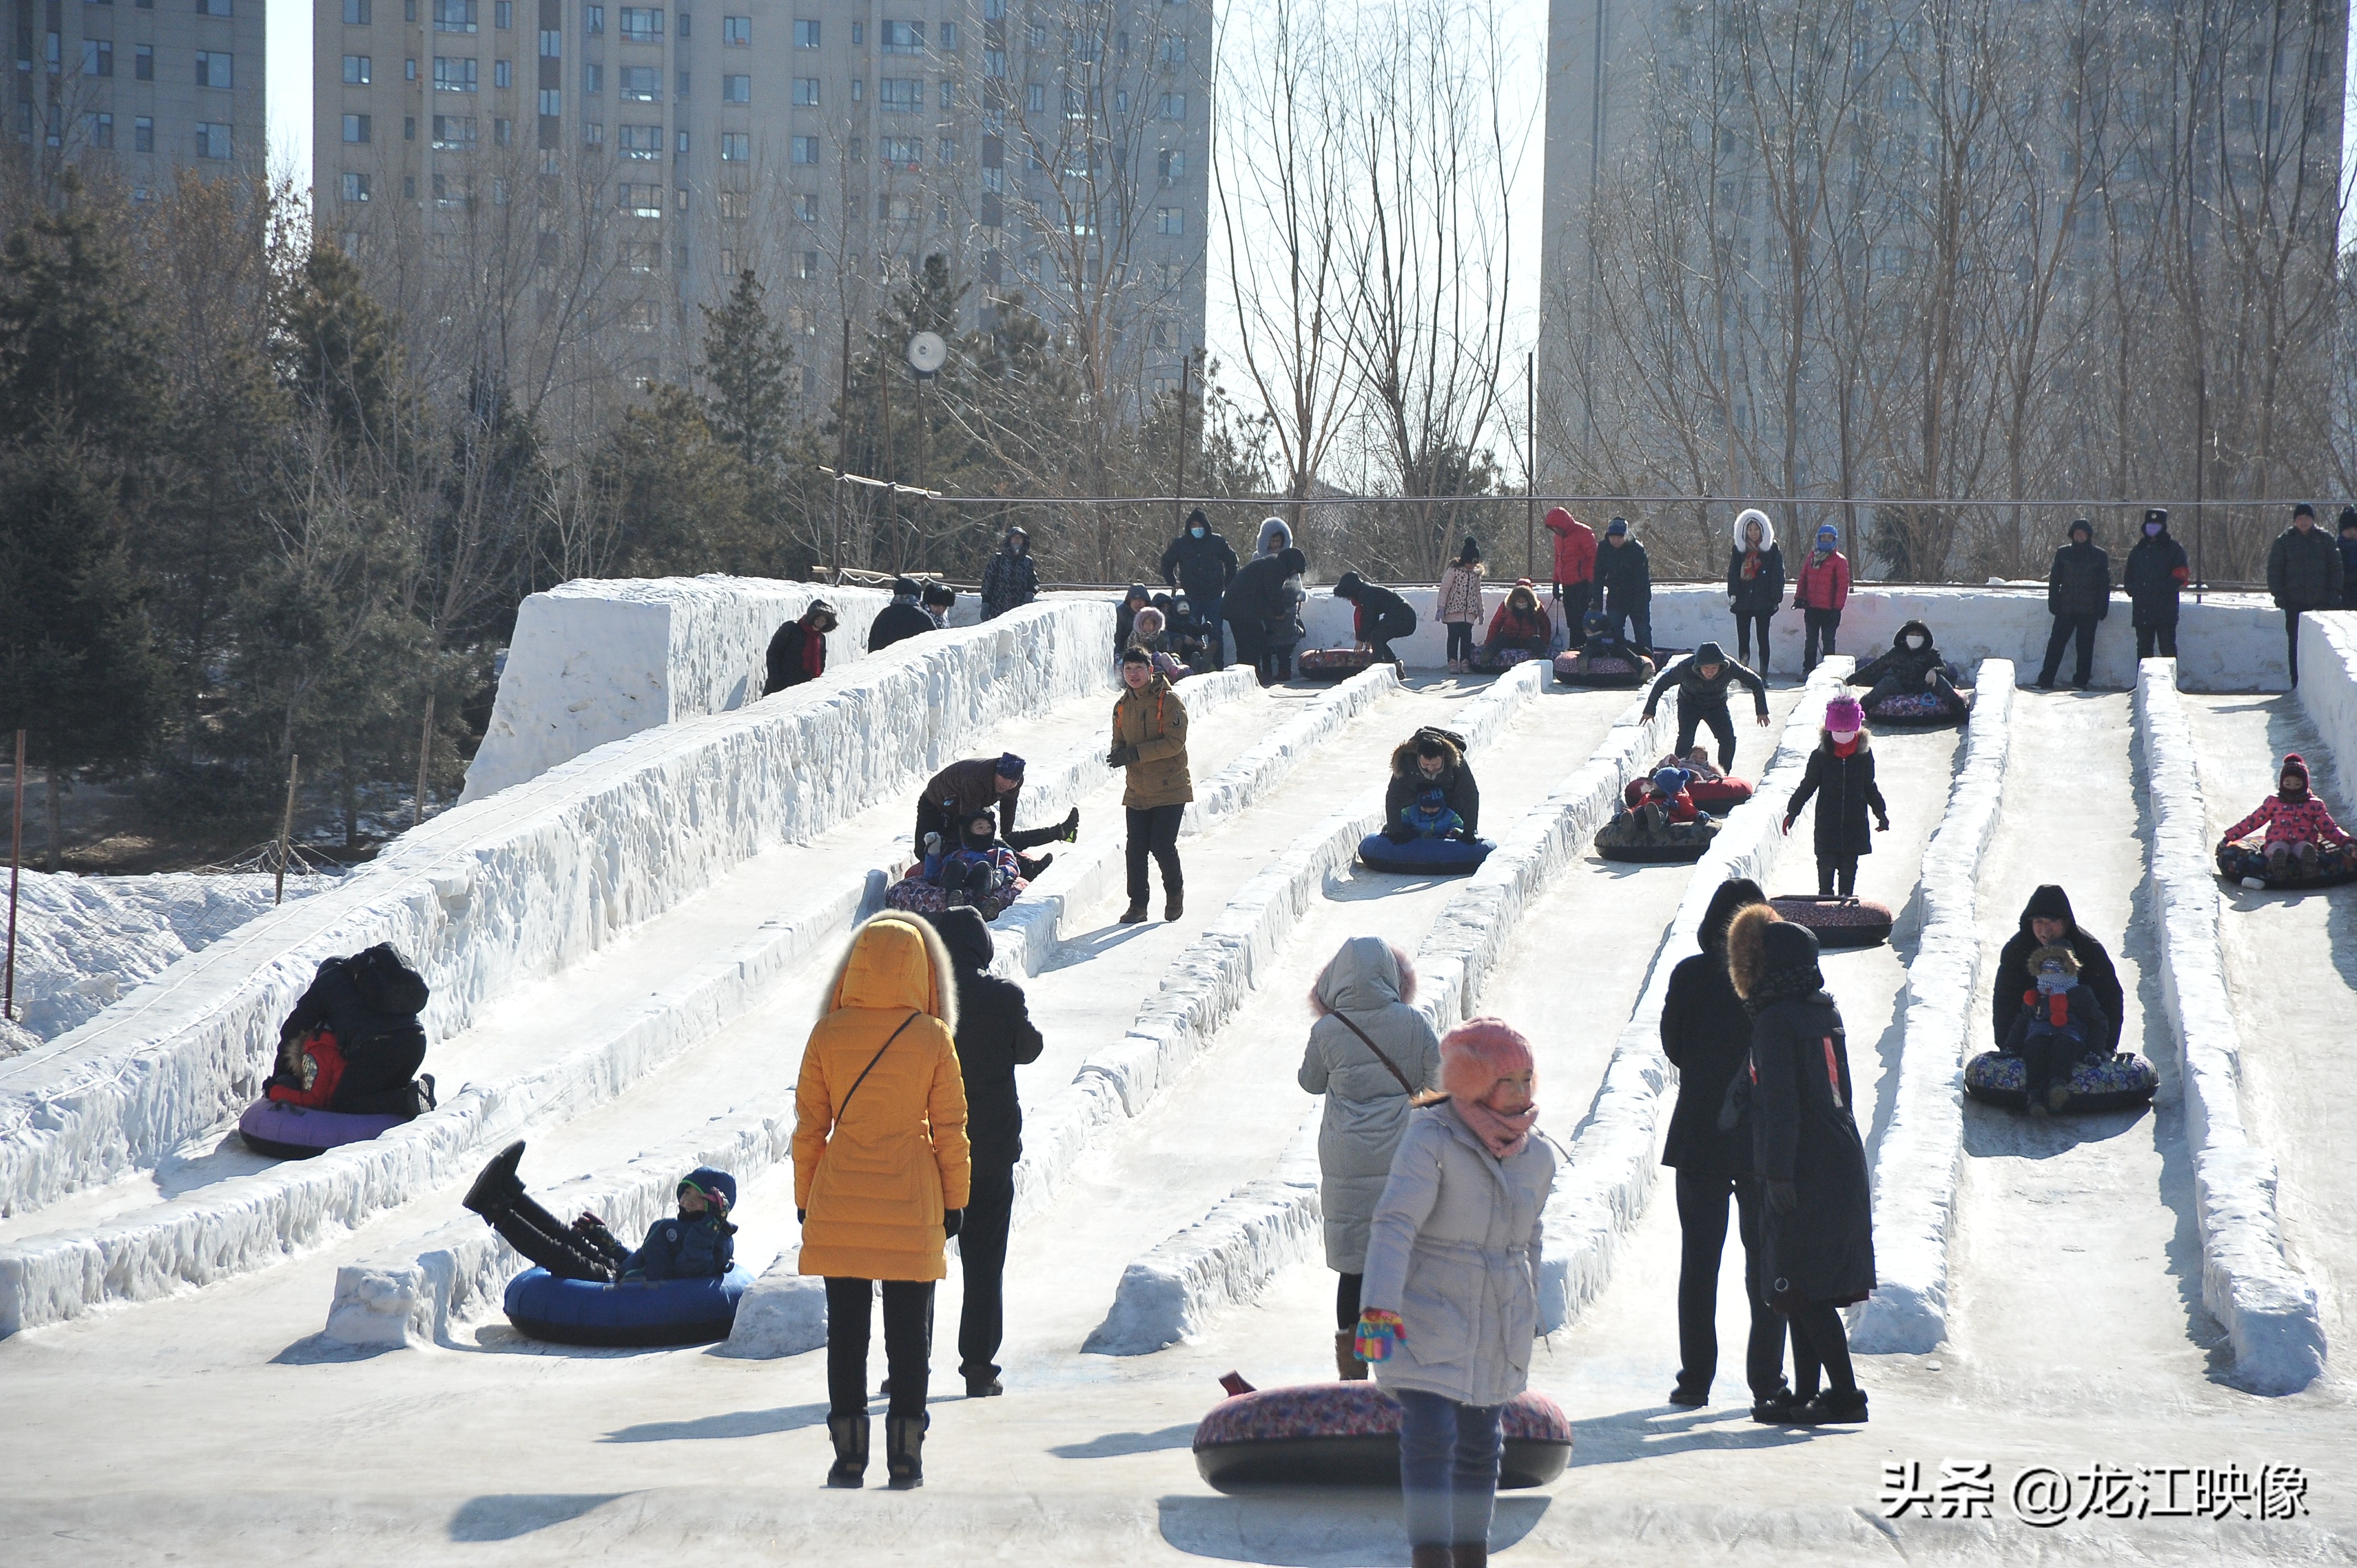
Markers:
point(2297, 823)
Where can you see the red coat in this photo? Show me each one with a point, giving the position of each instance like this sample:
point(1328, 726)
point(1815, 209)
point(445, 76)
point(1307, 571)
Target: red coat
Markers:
point(1574, 547)
point(1824, 587)
point(2291, 821)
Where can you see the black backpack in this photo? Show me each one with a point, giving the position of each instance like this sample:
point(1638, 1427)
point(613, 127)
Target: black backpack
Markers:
point(385, 981)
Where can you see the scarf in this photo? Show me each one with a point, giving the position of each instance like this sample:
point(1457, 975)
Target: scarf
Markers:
point(1504, 1136)
point(1750, 565)
point(1819, 557)
point(813, 652)
point(1844, 747)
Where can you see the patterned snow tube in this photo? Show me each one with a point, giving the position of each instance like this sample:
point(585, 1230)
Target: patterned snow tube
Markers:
point(919, 896)
point(1576, 669)
point(2120, 1082)
point(1502, 660)
point(1921, 710)
point(1333, 663)
point(1716, 795)
point(1347, 1435)
point(286, 1131)
point(1837, 922)
point(1423, 857)
point(1629, 839)
point(2334, 865)
point(630, 1311)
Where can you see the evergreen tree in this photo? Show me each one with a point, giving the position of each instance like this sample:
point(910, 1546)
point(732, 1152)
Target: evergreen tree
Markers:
point(746, 360)
point(343, 358)
point(678, 492)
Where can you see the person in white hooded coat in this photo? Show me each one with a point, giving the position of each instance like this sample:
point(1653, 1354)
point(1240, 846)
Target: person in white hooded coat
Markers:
point(1755, 583)
point(1370, 1054)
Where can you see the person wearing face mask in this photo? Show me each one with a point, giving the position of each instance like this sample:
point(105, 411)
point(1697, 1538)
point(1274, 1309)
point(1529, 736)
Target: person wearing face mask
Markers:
point(1755, 582)
point(2300, 826)
point(2059, 1024)
point(1431, 760)
point(1200, 565)
point(1011, 580)
point(1841, 775)
point(2078, 595)
point(2047, 921)
point(2303, 573)
point(1820, 593)
point(1149, 741)
point(2156, 572)
point(1913, 665)
point(1449, 1298)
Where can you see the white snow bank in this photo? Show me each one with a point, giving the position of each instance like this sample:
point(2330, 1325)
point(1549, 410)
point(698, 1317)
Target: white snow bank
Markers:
point(596, 660)
point(82, 942)
point(2248, 1283)
point(1923, 1151)
point(2327, 684)
point(1602, 1188)
point(523, 884)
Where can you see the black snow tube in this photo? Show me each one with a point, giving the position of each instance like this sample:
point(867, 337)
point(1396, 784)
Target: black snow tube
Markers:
point(1837, 922)
point(1921, 710)
point(1333, 663)
point(636, 1313)
point(2120, 1082)
point(1347, 1435)
point(1627, 838)
point(1576, 669)
point(2334, 867)
point(1425, 857)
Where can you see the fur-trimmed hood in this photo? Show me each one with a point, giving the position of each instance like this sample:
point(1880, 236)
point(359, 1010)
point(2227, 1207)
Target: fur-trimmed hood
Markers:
point(896, 961)
point(1825, 740)
point(1403, 757)
point(1766, 529)
point(1770, 958)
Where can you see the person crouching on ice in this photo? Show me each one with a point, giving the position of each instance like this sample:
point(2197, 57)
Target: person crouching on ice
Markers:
point(698, 1243)
point(2297, 823)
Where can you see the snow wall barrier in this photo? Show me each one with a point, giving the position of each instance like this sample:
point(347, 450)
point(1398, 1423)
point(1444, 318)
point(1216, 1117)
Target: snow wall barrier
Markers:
point(2328, 682)
point(521, 885)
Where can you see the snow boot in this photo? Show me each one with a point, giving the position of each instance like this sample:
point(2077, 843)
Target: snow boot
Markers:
point(1475, 1555)
point(1034, 869)
point(2059, 1097)
point(1174, 904)
point(1776, 1408)
point(983, 1387)
point(1688, 1399)
point(1071, 831)
point(496, 1186)
point(1135, 914)
point(1431, 1556)
point(850, 1435)
point(1835, 1407)
point(424, 1088)
point(904, 1450)
point(1347, 1365)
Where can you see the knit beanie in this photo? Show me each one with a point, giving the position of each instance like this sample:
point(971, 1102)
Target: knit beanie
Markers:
point(1479, 1052)
point(1843, 717)
point(1670, 780)
point(2294, 762)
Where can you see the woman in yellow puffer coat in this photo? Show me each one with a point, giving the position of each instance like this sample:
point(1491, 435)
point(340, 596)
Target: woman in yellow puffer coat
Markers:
point(881, 1175)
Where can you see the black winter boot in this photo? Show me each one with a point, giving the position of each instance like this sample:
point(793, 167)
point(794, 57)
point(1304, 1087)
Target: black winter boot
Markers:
point(850, 1435)
point(1135, 914)
point(496, 1186)
point(1841, 1407)
point(904, 1450)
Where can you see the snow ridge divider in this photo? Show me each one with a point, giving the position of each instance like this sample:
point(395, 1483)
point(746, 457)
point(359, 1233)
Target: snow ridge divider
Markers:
point(2248, 1283)
point(1603, 1184)
point(1229, 1255)
point(1922, 1155)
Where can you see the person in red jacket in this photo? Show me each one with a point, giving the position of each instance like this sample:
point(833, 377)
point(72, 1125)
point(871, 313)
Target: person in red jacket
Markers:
point(1819, 593)
point(2297, 823)
point(1575, 563)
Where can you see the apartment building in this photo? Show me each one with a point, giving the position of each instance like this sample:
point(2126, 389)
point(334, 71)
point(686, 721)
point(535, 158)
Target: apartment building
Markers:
point(1060, 147)
point(135, 88)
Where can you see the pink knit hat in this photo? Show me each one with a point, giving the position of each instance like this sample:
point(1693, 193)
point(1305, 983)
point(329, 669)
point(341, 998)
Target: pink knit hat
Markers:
point(1479, 1052)
point(1844, 716)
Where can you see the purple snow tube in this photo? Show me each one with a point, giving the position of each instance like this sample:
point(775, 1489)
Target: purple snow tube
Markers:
point(297, 1132)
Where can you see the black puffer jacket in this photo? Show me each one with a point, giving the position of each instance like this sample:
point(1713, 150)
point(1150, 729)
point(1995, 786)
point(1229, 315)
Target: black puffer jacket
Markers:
point(995, 1035)
point(2080, 582)
point(2304, 570)
point(1624, 574)
point(1407, 782)
point(1707, 1034)
point(1759, 595)
point(1911, 655)
point(1202, 568)
point(2152, 580)
point(1697, 691)
point(1845, 792)
point(897, 622)
point(2095, 971)
point(370, 1002)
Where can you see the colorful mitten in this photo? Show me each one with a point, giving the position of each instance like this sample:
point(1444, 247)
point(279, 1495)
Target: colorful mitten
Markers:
point(1378, 1330)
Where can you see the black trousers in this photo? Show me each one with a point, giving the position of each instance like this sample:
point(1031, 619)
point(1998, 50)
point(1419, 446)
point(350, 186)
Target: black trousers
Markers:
point(1744, 622)
point(1702, 1224)
point(908, 1344)
point(568, 1253)
point(1837, 875)
point(2291, 643)
point(1633, 621)
point(1820, 1343)
point(1154, 831)
point(1575, 598)
point(1275, 664)
point(1817, 628)
point(1386, 627)
point(1346, 1301)
point(2066, 627)
point(2157, 641)
point(1460, 639)
point(2047, 1061)
point(1692, 716)
point(982, 1256)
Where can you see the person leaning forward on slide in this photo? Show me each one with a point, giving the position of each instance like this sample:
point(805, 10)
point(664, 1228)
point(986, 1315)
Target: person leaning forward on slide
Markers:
point(977, 784)
point(1702, 682)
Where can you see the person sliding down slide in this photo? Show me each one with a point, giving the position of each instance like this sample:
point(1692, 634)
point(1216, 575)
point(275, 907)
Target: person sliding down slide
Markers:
point(698, 1243)
point(1430, 759)
point(1702, 682)
point(2299, 826)
point(1912, 666)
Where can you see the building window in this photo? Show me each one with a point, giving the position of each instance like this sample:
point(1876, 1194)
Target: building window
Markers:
point(503, 14)
point(552, 44)
point(639, 256)
point(736, 89)
point(212, 140)
point(857, 150)
point(1174, 106)
point(454, 75)
point(1173, 51)
point(97, 56)
point(901, 94)
point(806, 207)
point(356, 127)
point(212, 69)
point(893, 208)
point(735, 32)
point(641, 201)
point(409, 187)
point(409, 69)
point(409, 127)
point(680, 86)
point(502, 73)
point(681, 148)
point(212, 7)
point(593, 134)
point(1170, 220)
point(142, 63)
point(641, 84)
point(859, 33)
point(142, 134)
point(454, 15)
point(735, 205)
point(356, 13)
point(947, 152)
point(552, 101)
point(993, 62)
point(903, 38)
point(454, 134)
point(994, 10)
point(593, 78)
point(102, 129)
point(805, 149)
point(356, 187)
point(1172, 166)
point(593, 17)
point(642, 142)
point(806, 266)
point(356, 69)
point(994, 181)
point(805, 34)
point(1034, 98)
point(735, 147)
point(683, 20)
point(949, 38)
point(641, 316)
point(906, 151)
point(503, 131)
point(858, 89)
point(642, 24)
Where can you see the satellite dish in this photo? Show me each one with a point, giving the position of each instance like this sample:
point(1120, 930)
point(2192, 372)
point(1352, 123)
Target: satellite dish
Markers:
point(927, 353)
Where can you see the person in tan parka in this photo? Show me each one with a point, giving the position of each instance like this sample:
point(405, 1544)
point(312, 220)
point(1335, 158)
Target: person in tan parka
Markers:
point(881, 1175)
point(1150, 739)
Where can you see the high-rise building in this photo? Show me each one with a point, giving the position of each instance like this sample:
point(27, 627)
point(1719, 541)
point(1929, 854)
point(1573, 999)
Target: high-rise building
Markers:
point(615, 167)
point(137, 89)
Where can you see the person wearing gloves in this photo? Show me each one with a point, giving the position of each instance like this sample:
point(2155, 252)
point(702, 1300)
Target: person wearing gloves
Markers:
point(2058, 1026)
point(697, 1243)
point(1460, 606)
point(1667, 799)
point(981, 783)
point(2156, 572)
point(2078, 595)
point(1200, 565)
point(1755, 582)
point(1011, 580)
point(2303, 573)
point(903, 618)
point(1430, 759)
point(1575, 563)
point(1702, 682)
point(2298, 824)
point(1820, 593)
point(1375, 1057)
point(1841, 775)
point(1624, 578)
point(1913, 664)
point(1449, 1303)
point(798, 651)
point(2047, 921)
point(1816, 1233)
point(882, 1173)
point(1149, 740)
point(1377, 615)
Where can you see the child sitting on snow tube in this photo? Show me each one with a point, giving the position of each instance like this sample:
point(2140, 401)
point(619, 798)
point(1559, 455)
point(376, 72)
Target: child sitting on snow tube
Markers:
point(1713, 790)
point(1431, 759)
point(1147, 631)
point(1666, 826)
point(978, 871)
point(348, 1059)
point(698, 1243)
point(1604, 657)
point(1911, 683)
point(2060, 1026)
point(1520, 630)
point(2303, 844)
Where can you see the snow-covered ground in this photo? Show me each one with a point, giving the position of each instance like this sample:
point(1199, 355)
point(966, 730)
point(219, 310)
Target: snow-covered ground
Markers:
point(219, 1422)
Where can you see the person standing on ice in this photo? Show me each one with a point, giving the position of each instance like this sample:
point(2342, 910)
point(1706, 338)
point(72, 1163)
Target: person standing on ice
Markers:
point(2156, 572)
point(1818, 1232)
point(1200, 565)
point(978, 784)
point(1574, 565)
point(1010, 581)
point(1702, 682)
point(1370, 1055)
point(1624, 581)
point(1841, 775)
point(882, 1173)
point(2047, 921)
point(2078, 595)
point(798, 651)
point(1149, 740)
point(1706, 1035)
point(1755, 582)
point(1820, 593)
point(1450, 1297)
point(2303, 573)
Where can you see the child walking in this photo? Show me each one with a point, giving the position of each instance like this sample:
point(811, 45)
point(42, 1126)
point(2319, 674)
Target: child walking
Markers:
point(1841, 776)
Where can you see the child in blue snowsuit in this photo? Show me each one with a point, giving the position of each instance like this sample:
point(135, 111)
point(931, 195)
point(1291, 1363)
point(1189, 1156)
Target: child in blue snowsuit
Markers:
point(1428, 816)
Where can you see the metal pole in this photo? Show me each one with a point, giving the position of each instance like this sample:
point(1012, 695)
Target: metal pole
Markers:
point(286, 827)
point(16, 864)
point(1531, 467)
point(424, 755)
point(891, 495)
point(1179, 490)
point(842, 448)
point(2201, 472)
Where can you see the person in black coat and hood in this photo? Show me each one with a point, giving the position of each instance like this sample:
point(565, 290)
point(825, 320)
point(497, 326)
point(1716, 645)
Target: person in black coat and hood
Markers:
point(1817, 1233)
point(1706, 1035)
point(994, 1037)
point(1702, 682)
point(368, 1005)
point(2078, 595)
point(1378, 614)
point(798, 651)
point(1841, 775)
point(1200, 565)
point(2047, 921)
point(2157, 571)
point(903, 618)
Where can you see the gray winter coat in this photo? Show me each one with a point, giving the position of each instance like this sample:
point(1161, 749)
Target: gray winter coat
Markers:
point(1454, 1250)
point(1366, 1108)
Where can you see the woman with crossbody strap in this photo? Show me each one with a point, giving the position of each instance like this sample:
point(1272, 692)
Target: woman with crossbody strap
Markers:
point(1370, 1055)
point(881, 1175)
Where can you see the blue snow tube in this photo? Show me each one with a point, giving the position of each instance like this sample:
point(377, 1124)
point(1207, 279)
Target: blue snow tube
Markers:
point(1423, 857)
point(630, 1311)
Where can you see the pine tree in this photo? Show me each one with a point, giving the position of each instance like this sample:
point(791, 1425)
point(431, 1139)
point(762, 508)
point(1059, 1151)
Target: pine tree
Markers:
point(746, 358)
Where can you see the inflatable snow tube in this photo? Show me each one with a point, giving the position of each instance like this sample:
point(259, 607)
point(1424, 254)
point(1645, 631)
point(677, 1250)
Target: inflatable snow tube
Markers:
point(1423, 857)
point(1920, 710)
point(2121, 1082)
point(287, 1132)
point(629, 1312)
point(2333, 867)
point(1347, 1435)
point(1837, 922)
point(1716, 795)
point(1628, 838)
point(1503, 660)
point(1333, 663)
point(1576, 669)
point(919, 896)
